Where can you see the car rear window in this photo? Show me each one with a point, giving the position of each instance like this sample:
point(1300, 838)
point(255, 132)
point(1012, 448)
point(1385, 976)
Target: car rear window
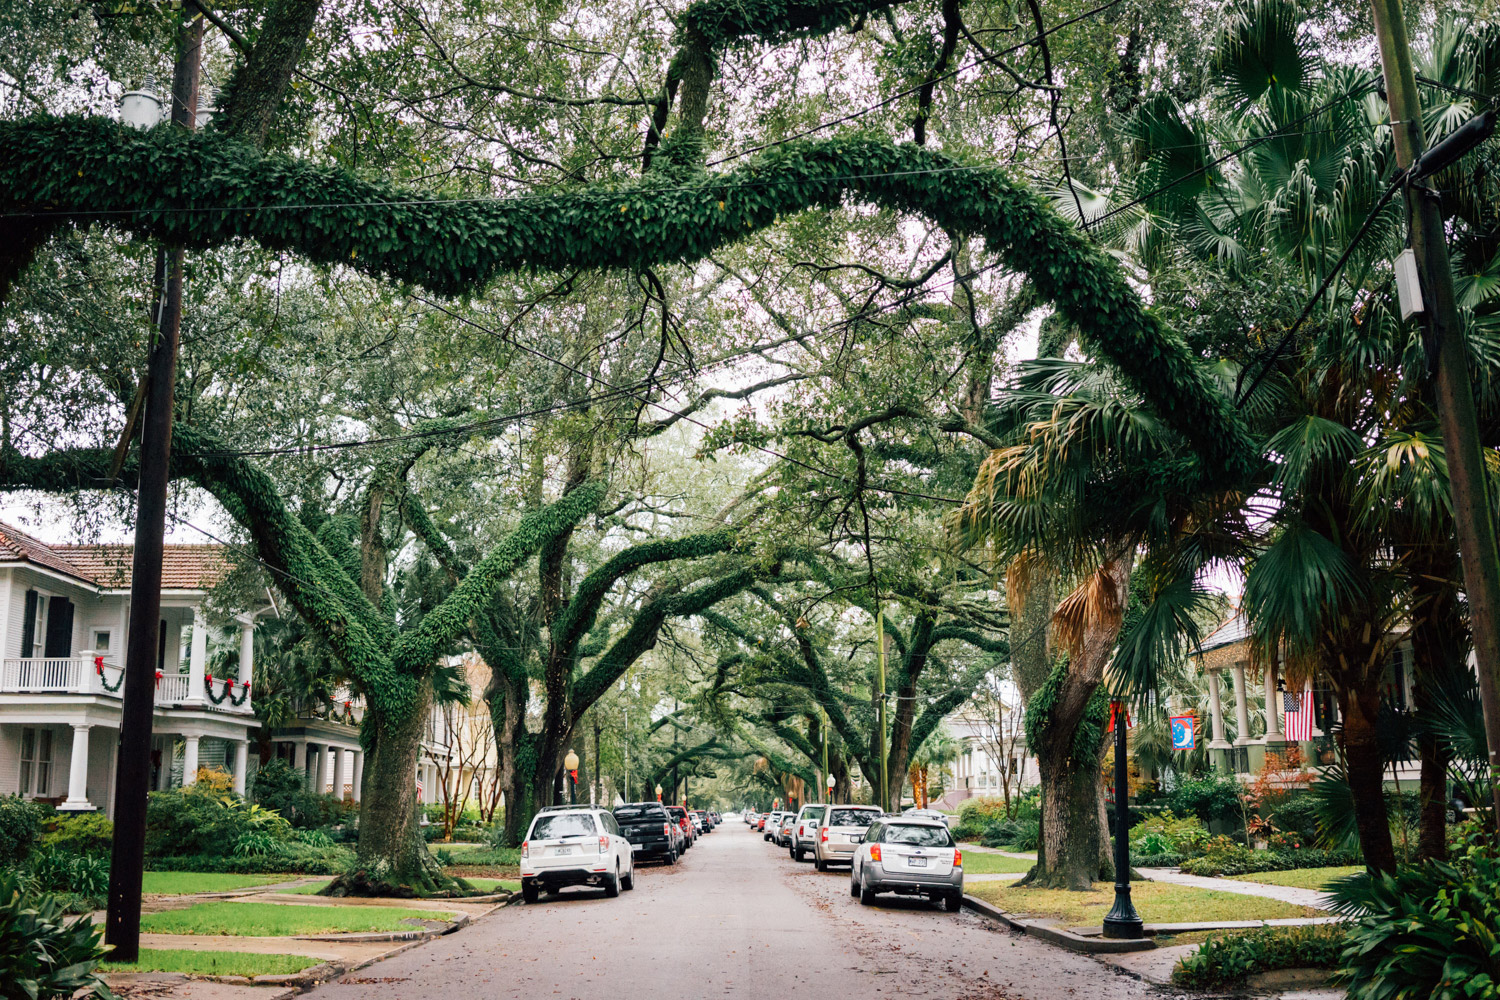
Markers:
point(852, 817)
point(916, 836)
point(633, 814)
point(556, 825)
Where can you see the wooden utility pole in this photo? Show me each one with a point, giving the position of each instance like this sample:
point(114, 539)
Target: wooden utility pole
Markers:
point(122, 927)
point(884, 798)
point(1455, 395)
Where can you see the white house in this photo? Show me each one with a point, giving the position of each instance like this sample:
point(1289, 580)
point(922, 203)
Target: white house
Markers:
point(64, 612)
point(992, 753)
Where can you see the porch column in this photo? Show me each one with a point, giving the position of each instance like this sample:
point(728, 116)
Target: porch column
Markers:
point(78, 773)
point(241, 764)
point(340, 772)
point(168, 746)
point(327, 769)
point(189, 760)
point(359, 772)
point(320, 769)
point(197, 659)
point(299, 758)
point(1216, 712)
point(1273, 707)
point(1241, 706)
point(247, 650)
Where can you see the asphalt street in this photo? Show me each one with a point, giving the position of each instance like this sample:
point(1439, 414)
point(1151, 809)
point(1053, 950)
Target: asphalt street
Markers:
point(734, 917)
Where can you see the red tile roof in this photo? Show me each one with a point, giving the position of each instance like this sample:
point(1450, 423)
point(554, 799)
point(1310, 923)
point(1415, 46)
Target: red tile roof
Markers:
point(184, 567)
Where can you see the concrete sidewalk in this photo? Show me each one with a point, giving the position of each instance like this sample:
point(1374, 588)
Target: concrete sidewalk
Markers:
point(1283, 893)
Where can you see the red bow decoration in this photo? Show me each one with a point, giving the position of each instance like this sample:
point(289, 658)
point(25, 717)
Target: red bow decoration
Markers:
point(1114, 708)
point(158, 678)
point(346, 704)
point(575, 776)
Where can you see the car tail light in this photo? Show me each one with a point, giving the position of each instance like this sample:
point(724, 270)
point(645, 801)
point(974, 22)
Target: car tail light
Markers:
point(603, 845)
point(874, 852)
point(666, 830)
point(824, 837)
point(525, 848)
point(958, 859)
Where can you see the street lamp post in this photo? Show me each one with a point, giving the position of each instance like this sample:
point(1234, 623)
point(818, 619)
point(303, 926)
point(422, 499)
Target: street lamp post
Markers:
point(658, 793)
point(1122, 921)
point(831, 783)
point(570, 762)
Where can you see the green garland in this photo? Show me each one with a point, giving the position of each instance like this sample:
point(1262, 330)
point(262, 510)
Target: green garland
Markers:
point(104, 681)
point(227, 693)
point(201, 190)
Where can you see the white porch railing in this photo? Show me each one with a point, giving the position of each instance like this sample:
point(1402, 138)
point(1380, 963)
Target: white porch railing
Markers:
point(81, 675)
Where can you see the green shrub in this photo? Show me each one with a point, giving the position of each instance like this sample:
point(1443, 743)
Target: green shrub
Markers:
point(287, 857)
point(1214, 796)
point(508, 856)
point(79, 833)
point(20, 828)
point(1299, 815)
point(1165, 833)
point(1243, 861)
point(1428, 930)
point(284, 790)
point(1227, 961)
point(977, 815)
point(1164, 860)
point(42, 954)
point(50, 871)
point(1020, 834)
point(202, 821)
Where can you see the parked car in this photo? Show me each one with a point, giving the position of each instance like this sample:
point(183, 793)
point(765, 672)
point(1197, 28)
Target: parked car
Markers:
point(685, 824)
point(912, 856)
point(751, 818)
point(805, 830)
point(784, 829)
point(941, 817)
point(768, 825)
point(839, 834)
point(575, 846)
point(651, 832)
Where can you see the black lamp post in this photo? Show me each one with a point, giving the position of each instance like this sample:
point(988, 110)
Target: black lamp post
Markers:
point(1122, 921)
point(570, 764)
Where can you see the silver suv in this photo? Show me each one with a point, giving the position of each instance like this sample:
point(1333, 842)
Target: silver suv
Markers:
point(571, 845)
point(839, 834)
point(805, 830)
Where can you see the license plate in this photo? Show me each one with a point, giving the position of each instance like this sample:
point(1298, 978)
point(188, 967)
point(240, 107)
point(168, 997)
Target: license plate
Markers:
point(562, 851)
point(917, 862)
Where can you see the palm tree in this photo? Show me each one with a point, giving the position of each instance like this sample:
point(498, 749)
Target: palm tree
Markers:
point(1346, 527)
point(1089, 489)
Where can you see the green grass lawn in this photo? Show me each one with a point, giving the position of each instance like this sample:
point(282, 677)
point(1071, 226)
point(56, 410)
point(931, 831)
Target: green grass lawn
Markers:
point(1301, 878)
point(514, 885)
point(509, 857)
point(212, 963)
point(183, 883)
point(976, 863)
point(1157, 902)
point(281, 919)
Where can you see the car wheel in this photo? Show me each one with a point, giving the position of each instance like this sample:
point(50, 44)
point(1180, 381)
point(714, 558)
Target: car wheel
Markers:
point(820, 864)
point(528, 892)
point(791, 852)
point(629, 882)
point(612, 884)
point(955, 902)
point(671, 857)
point(853, 885)
point(866, 894)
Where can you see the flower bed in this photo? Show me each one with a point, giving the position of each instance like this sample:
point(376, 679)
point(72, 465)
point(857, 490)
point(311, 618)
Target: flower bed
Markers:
point(1228, 960)
point(1243, 861)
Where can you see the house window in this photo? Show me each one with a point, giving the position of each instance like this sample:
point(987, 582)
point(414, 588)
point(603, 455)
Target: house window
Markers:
point(36, 761)
point(102, 638)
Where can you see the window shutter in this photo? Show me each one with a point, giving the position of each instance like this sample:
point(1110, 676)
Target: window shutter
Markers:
point(161, 647)
point(59, 628)
point(28, 624)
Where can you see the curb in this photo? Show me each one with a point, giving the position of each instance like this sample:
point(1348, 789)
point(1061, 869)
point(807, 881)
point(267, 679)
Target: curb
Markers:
point(1057, 935)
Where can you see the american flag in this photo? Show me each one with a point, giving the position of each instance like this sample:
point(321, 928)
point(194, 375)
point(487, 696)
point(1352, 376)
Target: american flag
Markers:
point(1297, 714)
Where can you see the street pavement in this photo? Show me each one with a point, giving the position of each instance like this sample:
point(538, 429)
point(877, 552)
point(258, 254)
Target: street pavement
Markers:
point(735, 917)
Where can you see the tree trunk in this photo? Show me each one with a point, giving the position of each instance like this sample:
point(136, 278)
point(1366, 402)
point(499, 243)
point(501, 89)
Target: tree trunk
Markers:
point(1440, 642)
point(392, 858)
point(1367, 776)
point(1068, 857)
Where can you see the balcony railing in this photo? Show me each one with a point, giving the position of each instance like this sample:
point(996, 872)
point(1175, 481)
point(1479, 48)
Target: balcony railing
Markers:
point(84, 675)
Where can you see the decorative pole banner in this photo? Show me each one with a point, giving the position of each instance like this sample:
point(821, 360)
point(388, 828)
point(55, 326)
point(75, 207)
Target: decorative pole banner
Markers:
point(1115, 708)
point(1184, 732)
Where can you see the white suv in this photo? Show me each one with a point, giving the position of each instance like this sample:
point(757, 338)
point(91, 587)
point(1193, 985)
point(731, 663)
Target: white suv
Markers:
point(805, 831)
point(575, 845)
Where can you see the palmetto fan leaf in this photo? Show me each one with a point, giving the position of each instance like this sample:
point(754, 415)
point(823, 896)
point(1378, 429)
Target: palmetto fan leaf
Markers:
point(1297, 585)
point(1261, 51)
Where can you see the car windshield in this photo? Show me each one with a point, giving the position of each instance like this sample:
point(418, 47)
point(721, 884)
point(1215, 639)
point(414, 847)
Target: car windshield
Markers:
point(627, 814)
point(917, 836)
point(558, 825)
point(852, 817)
